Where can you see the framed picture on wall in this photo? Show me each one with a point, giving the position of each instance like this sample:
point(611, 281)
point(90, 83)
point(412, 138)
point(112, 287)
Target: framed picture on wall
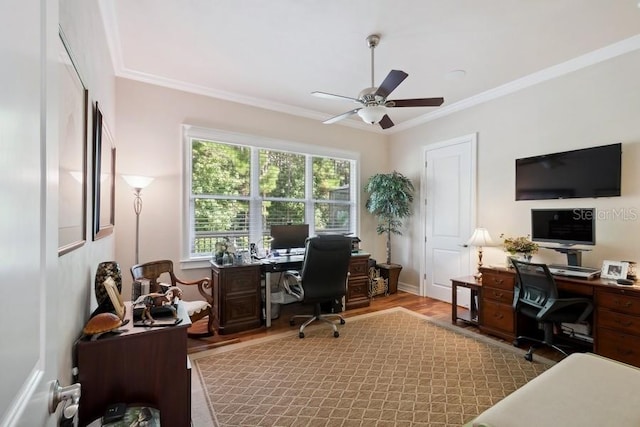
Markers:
point(104, 169)
point(614, 270)
point(72, 154)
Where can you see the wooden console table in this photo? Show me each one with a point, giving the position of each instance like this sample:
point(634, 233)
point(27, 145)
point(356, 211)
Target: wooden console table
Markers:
point(615, 321)
point(147, 366)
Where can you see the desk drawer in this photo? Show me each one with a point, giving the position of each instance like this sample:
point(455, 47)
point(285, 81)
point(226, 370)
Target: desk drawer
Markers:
point(497, 316)
point(500, 280)
point(498, 295)
point(619, 301)
point(619, 346)
point(359, 266)
point(618, 321)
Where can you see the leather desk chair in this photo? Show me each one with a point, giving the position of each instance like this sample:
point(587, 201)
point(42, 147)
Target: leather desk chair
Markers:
point(155, 271)
point(536, 296)
point(324, 277)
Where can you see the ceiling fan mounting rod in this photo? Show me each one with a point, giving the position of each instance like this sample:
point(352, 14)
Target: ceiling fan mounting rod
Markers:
point(372, 42)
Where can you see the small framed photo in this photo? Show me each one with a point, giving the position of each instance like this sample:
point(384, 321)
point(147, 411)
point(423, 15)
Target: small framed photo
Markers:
point(614, 269)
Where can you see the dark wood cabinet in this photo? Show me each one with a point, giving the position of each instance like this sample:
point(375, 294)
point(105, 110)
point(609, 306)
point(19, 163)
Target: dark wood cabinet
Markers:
point(617, 328)
point(496, 311)
point(358, 282)
point(147, 366)
point(237, 301)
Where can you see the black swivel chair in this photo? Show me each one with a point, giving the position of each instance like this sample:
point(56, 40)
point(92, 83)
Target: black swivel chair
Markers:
point(324, 277)
point(536, 296)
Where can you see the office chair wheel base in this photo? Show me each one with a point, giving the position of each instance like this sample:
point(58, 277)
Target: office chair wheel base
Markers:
point(342, 322)
point(516, 343)
point(528, 357)
point(301, 335)
point(336, 334)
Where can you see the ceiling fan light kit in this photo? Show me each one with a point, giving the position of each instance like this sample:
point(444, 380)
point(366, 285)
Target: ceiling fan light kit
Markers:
point(372, 114)
point(374, 99)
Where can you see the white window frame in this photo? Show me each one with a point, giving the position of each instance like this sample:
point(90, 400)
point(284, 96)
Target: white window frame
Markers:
point(190, 133)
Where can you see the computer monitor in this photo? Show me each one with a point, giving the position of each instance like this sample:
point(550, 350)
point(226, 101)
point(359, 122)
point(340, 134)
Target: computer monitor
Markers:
point(289, 236)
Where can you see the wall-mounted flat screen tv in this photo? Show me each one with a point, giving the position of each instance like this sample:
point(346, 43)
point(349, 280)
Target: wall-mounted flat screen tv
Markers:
point(564, 226)
point(589, 172)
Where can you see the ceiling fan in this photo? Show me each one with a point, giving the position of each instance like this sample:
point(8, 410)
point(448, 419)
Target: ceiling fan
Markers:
point(374, 99)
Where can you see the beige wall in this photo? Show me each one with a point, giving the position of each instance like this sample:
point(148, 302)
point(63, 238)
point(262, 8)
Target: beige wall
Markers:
point(594, 106)
point(149, 120)
point(82, 25)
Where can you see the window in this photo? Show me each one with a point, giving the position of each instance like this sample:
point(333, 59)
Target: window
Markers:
point(237, 186)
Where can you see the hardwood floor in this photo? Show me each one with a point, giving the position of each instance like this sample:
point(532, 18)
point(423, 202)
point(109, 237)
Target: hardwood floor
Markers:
point(427, 306)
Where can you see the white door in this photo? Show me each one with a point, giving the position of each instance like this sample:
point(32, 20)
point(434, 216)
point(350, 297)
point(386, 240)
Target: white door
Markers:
point(29, 212)
point(449, 194)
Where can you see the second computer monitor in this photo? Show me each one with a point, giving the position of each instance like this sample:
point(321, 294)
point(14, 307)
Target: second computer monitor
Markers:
point(289, 236)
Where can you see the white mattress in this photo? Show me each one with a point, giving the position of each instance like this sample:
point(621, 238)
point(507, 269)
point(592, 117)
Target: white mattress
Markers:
point(582, 390)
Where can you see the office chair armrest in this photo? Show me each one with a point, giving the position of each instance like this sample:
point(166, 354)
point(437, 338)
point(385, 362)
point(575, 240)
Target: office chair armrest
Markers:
point(203, 284)
point(566, 302)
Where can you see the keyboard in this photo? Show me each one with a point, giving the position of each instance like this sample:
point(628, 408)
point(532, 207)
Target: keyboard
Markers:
point(574, 271)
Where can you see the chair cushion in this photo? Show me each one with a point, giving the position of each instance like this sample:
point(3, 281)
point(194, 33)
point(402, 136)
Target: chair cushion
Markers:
point(194, 307)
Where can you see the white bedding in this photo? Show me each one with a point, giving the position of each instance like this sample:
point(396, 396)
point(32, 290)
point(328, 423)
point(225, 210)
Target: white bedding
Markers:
point(582, 390)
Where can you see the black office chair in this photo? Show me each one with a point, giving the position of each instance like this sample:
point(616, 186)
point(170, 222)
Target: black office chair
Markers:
point(536, 296)
point(324, 277)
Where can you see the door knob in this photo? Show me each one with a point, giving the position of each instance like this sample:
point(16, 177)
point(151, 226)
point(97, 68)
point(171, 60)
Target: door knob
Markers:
point(69, 394)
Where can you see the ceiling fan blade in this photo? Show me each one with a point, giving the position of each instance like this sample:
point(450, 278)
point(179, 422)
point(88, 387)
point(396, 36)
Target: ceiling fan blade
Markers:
point(332, 96)
point(386, 122)
point(341, 116)
point(418, 102)
point(393, 79)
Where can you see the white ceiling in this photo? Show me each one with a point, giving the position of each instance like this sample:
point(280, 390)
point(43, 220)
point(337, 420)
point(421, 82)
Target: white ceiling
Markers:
point(274, 53)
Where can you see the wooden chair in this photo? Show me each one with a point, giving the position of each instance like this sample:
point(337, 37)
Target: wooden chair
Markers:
point(152, 272)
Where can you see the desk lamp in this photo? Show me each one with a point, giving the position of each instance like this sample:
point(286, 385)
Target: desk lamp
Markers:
point(479, 239)
point(138, 183)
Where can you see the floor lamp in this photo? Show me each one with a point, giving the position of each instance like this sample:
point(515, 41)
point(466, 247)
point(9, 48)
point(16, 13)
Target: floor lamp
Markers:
point(137, 183)
point(479, 239)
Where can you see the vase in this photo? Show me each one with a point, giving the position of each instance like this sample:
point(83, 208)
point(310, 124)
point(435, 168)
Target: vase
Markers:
point(107, 269)
point(525, 256)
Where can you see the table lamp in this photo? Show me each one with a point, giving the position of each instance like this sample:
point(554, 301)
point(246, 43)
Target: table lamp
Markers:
point(479, 239)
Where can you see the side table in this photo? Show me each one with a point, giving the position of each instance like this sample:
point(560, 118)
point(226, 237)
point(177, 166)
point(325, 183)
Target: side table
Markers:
point(475, 286)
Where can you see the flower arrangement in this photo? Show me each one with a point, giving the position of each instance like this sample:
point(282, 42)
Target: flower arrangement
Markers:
point(521, 244)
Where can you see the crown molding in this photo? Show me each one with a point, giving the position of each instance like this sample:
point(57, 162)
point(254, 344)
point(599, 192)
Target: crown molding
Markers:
point(600, 55)
point(603, 54)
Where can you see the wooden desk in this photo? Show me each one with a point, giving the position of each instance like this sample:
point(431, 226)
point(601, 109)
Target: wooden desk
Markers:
point(142, 365)
point(475, 288)
point(238, 298)
point(615, 321)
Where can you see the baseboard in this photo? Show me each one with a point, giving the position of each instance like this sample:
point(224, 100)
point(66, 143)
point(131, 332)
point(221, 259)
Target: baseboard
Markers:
point(412, 289)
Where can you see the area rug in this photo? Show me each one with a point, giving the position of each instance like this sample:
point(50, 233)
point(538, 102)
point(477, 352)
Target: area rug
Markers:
point(388, 368)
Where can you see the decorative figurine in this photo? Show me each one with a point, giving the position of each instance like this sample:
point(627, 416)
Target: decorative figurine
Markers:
point(157, 299)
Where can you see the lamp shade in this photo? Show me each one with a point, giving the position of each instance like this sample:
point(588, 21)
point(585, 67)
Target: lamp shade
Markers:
point(480, 238)
point(137, 181)
point(372, 114)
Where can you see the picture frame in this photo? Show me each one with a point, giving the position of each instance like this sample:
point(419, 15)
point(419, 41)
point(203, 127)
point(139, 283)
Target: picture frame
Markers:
point(115, 297)
point(72, 153)
point(614, 270)
point(104, 161)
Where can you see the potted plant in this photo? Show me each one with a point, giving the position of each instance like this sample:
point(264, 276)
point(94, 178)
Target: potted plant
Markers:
point(519, 245)
point(390, 198)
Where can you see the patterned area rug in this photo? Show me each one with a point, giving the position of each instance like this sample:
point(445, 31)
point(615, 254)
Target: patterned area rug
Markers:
point(389, 368)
